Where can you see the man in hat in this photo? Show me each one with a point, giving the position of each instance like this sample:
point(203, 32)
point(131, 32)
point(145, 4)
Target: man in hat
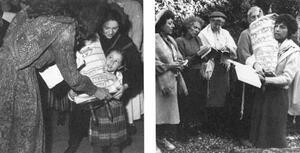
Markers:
point(217, 38)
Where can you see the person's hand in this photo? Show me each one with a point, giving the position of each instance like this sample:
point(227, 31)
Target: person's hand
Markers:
point(268, 73)
point(258, 68)
point(72, 94)
point(261, 78)
point(225, 49)
point(203, 50)
point(166, 91)
point(120, 91)
point(180, 67)
point(176, 67)
point(225, 62)
point(102, 94)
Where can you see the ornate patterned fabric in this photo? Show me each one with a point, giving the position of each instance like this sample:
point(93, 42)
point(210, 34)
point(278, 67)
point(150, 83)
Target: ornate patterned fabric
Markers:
point(109, 132)
point(32, 44)
point(29, 41)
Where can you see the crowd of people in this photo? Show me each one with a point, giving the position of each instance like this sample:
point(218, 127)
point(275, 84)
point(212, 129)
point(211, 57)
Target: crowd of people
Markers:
point(42, 33)
point(193, 79)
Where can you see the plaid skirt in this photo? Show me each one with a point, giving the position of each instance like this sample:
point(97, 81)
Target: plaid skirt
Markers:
point(107, 131)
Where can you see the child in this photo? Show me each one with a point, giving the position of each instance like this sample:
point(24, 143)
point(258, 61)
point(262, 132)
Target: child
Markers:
point(106, 135)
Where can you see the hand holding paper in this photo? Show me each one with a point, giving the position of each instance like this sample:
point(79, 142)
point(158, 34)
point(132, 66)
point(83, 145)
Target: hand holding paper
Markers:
point(247, 74)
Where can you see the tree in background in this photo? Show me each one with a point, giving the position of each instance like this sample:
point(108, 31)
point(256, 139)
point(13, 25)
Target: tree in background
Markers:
point(235, 10)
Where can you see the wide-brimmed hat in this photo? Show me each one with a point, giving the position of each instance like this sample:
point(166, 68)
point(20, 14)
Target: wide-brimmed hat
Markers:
point(159, 15)
point(217, 14)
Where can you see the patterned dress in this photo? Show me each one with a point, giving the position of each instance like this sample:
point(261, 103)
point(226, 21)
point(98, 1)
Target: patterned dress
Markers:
point(31, 45)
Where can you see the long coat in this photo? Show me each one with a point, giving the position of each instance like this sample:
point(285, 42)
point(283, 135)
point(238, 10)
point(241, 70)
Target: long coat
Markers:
point(218, 85)
point(167, 111)
point(269, 116)
point(30, 45)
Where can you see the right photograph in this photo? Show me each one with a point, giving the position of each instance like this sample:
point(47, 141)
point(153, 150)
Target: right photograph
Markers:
point(227, 76)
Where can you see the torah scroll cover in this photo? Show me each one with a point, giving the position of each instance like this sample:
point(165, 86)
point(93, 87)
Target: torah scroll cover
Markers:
point(265, 47)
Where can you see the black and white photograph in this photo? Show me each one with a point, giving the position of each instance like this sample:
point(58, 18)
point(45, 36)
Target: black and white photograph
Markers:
point(227, 76)
point(150, 76)
point(71, 76)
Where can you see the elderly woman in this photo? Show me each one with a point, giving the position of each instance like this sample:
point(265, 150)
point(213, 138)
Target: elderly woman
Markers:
point(244, 51)
point(168, 77)
point(269, 116)
point(191, 47)
point(217, 38)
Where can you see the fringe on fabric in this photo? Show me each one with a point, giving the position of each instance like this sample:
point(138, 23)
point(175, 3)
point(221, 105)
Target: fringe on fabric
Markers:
point(243, 102)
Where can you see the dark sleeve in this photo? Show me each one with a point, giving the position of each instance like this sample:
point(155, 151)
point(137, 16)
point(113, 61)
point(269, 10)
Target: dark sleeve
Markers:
point(181, 46)
point(194, 59)
point(62, 49)
point(244, 49)
point(133, 75)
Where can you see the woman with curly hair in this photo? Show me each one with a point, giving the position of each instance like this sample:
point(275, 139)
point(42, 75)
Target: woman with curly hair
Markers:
point(169, 81)
point(38, 37)
point(269, 116)
point(191, 47)
point(107, 135)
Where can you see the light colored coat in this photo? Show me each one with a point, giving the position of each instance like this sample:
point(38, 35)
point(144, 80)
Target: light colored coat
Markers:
point(288, 74)
point(167, 111)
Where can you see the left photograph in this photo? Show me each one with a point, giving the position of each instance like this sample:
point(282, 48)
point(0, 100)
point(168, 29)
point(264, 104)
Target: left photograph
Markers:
point(71, 76)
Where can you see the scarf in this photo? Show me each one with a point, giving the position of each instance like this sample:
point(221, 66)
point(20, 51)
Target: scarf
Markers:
point(285, 49)
point(167, 53)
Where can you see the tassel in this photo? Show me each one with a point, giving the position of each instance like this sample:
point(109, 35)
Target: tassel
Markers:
point(94, 118)
point(243, 102)
point(207, 92)
point(108, 110)
point(294, 119)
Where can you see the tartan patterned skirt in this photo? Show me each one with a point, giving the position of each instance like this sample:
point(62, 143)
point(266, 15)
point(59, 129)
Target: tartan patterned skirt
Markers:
point(109, 132)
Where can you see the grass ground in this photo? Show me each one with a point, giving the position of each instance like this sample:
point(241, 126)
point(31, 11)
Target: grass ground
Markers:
point(222, 140)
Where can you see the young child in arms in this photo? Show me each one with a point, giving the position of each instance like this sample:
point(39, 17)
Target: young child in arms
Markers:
point(105, 133)
point(103, 72)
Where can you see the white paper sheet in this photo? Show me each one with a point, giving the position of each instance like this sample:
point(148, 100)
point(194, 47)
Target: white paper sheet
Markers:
point(247, 74)
point(52, 76)
point(8, 16)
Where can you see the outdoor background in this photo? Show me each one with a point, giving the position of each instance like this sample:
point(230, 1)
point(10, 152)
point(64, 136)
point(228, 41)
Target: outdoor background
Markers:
point(222, 140)
point(235, 10)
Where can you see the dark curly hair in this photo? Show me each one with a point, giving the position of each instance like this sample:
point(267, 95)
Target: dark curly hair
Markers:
point(188, 23)
point(111, 14)
point(163, 19)
point(289, 21)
